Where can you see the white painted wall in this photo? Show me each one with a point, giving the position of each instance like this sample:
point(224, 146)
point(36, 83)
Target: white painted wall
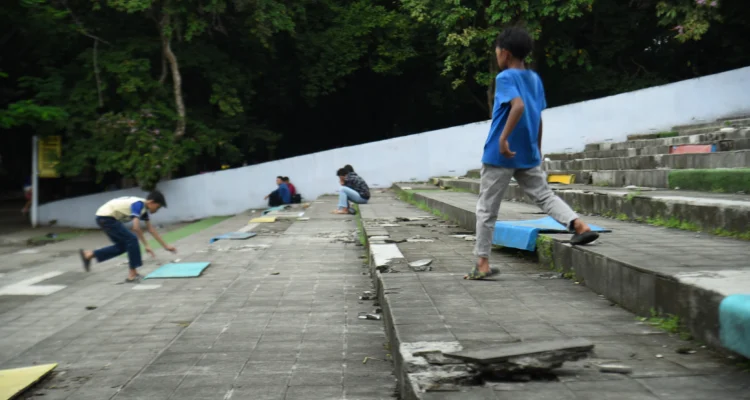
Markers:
point(450, 151)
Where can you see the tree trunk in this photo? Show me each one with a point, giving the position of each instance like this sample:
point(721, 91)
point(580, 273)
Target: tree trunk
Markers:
point(176, 77)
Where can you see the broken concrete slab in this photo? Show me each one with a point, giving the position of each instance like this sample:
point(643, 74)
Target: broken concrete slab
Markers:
point(528, 356)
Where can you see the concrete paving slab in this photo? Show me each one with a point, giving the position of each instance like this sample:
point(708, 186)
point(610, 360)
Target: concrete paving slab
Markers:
point(207, 337)
point(438, 310)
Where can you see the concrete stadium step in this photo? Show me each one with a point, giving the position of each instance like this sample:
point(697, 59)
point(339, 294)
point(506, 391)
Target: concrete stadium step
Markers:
point(711, 137)
point(640, 267)
point(713, 213)
point(431, 309)
point(727, 159)
point(710, 127)
point(720, 146)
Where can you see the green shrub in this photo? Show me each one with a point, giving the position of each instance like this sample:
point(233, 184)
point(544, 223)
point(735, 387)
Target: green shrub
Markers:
point(711, 180)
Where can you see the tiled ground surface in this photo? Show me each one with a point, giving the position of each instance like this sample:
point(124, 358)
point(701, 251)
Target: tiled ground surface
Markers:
point(526, 304)
point(240, 331)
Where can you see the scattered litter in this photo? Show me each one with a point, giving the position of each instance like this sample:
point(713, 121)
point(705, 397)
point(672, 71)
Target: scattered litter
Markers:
point(615, 368)
point(659, 356)
point(468, 238)
point(406, 219)
point(421, 263)
point(91, 307)
point(179, 270)
point(367, 296)
point(144, 286)
point(366, 315)
point(275, 273)
point(406, 188)
point(388, 225)
point(371, 358)
point(419, 239)
point(685, 350)
point(28, 251)
point(303, 219)
point(176, 260)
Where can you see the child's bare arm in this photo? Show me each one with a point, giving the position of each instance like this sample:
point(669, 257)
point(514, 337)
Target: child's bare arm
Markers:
point(516, 111)
point(158, 238)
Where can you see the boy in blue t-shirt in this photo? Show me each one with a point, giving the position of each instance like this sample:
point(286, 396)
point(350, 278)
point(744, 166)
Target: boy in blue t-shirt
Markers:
point(514, 149)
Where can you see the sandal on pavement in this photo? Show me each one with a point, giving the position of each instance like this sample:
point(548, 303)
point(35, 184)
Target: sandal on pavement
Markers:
point(475, 274)
point(584, 238)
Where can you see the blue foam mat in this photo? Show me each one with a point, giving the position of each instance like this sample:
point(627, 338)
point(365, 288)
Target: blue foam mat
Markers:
point(233, 236)
point(522, 234)
point(179, 270)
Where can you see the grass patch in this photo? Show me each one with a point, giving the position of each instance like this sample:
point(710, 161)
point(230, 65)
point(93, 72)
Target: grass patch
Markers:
point(360, 227)
point(711, 180)
point(408, 196)
point(674, 223)
point(187, 230)
point(632, 195)
point(544, 246)
point(669, 323)
point(735, 235)
point(622, 217)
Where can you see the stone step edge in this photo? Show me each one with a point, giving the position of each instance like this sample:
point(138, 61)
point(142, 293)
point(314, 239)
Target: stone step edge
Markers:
point(715, 219)
point(668, 141)
point(381, 255)
point(697, 308)
point(656, 158)
point(744, 144)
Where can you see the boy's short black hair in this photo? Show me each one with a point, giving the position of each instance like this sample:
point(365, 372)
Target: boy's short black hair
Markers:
point(348, 168)
point(516, 40)
point(157, 197)
point(280, 177)
point(342, 172)
point(285, 179)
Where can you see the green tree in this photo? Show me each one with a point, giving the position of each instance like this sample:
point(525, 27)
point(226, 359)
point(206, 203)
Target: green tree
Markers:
point(468, 29)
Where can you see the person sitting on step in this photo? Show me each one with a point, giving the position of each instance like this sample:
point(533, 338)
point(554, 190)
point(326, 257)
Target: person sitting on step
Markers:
point(354, 189)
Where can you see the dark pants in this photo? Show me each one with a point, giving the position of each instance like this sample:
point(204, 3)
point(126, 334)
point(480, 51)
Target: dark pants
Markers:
point(123, 240)
point(296, 199)
point(274, 199)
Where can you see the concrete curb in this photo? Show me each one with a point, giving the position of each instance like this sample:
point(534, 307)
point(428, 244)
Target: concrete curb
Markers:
point(635, 206)
point(726, 159)
point(635, 288)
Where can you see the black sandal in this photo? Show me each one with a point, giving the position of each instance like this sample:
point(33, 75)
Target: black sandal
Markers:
point(584, 238)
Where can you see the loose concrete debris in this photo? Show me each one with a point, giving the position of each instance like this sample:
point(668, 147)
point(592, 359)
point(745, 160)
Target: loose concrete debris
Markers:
point(419, 239)
point(615, 368)
point(529, 357)
point(421, 265)
point(91, 308)
point(339, 237)
point(407, 219)
point(366, 315)
point(468, 238)
point(367, 295)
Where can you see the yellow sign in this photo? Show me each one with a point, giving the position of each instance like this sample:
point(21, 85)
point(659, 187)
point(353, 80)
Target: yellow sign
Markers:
point(50, 150)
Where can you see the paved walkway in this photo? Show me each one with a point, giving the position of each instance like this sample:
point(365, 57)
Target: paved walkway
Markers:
point(438, 309)
point(273, 317)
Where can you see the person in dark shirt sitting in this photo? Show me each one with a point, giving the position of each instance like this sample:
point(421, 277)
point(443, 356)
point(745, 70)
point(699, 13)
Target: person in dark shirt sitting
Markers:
point(281, 195)
point(353, 189)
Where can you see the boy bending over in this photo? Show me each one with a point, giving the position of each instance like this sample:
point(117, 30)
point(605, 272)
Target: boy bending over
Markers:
point(110, 218)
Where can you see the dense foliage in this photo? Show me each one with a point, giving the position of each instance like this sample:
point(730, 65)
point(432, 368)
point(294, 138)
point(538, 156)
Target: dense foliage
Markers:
point(146, 89)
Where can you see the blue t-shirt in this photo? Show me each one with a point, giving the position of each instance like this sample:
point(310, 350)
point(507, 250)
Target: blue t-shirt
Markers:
point(524, 140)
point(285, 194)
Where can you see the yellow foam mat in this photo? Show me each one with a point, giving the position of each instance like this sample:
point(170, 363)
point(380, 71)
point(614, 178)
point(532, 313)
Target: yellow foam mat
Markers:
point(564, 179)
point(16, 380)
point(262, 220)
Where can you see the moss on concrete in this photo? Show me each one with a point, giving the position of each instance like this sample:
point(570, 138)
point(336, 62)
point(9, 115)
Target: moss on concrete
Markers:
point(711, 180)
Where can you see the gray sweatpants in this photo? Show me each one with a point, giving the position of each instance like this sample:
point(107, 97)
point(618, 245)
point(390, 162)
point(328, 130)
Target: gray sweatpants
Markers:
point(495, 181)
